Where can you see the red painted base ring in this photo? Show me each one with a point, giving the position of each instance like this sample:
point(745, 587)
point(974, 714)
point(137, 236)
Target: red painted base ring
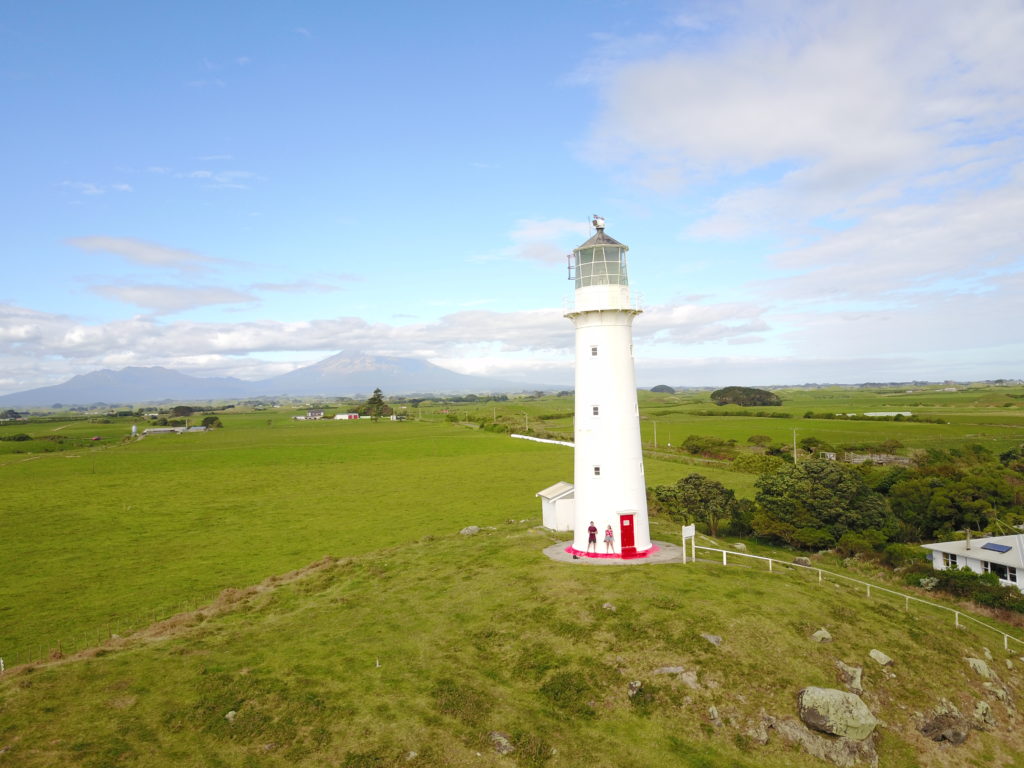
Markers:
point(606, 556)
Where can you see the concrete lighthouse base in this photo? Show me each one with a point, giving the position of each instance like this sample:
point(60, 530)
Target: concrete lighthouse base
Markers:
point(661, 552)
point(613, 555)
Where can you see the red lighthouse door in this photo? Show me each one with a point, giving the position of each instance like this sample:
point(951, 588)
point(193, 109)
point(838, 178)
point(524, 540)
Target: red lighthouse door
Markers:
point(626, 535)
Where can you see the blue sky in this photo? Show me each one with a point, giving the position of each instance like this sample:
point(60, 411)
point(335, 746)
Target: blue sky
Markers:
point(811, 191)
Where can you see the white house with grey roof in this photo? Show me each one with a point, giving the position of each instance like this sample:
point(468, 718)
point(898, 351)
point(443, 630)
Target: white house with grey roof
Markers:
point(1001, 555)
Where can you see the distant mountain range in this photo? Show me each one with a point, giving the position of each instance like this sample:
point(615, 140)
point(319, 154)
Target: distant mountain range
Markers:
point(338, 375)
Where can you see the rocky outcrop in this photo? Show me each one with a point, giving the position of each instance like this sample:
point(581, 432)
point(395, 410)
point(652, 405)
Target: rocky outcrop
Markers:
point(946, 724)
point(845, 753)
point(836, 712)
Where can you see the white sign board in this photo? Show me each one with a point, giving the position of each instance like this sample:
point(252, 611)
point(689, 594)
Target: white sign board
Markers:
point(689, 532)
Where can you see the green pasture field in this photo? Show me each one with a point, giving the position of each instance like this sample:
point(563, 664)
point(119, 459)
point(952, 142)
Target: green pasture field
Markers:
point(114, 533)
point(990, 415)
point(106, 538)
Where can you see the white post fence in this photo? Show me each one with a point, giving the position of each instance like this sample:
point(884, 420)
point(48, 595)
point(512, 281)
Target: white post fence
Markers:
point(957, 615)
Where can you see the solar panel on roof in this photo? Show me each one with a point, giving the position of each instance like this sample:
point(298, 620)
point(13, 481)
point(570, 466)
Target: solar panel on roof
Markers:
point(1001, 548)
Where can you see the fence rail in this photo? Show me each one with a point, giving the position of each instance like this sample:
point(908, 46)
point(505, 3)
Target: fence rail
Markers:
point(958, 616)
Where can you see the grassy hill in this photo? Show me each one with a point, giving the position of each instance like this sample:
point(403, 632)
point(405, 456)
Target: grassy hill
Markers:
point(416, 654)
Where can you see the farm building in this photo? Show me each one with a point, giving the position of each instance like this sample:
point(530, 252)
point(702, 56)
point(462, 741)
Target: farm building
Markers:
point(1001, 555)
point(558, 506)
point(345, 416)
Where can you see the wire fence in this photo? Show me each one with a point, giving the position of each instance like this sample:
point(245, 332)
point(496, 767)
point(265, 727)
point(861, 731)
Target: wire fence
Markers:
point(960, 619)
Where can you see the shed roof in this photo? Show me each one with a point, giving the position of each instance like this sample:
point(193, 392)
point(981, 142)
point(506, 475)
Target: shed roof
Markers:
point(560, 490)
point(1013, 557)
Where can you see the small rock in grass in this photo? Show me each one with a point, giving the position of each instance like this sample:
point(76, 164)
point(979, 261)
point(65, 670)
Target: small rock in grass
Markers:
point(801, 561)
point(609, 607)
point(669, 671)
point(822, 636)
point(634, 688)
point(988, 654)
point(739, 546)
point(713, 639)
point(979, 666)
point(501, 743)
point(880, 657)
point(851, 676)
point(983, 716)
point(470, 530)
point(230, 716)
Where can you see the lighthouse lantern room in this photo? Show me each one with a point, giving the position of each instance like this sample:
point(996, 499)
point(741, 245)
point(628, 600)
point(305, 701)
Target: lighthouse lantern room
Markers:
point(609, 487)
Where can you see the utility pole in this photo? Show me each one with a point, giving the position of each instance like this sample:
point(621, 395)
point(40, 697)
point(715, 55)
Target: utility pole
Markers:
point(655, 434)
point(794, 446)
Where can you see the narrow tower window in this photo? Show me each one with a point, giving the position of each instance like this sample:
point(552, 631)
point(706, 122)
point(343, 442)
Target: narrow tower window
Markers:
point(593, 351)
point(596, 410)
point(597, 471)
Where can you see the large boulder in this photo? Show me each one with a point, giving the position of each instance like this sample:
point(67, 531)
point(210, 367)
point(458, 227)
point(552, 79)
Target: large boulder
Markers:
point(845, 753)
point(839, 713)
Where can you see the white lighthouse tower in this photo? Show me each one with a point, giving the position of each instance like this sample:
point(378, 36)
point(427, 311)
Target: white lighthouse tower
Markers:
point(609, 465)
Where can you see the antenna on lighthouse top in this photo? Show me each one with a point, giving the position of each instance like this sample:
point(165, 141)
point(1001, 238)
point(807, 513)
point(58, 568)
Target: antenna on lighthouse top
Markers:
point(598, 222)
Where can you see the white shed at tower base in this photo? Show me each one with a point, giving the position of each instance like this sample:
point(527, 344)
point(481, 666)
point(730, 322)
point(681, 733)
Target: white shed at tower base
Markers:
point(558, 506)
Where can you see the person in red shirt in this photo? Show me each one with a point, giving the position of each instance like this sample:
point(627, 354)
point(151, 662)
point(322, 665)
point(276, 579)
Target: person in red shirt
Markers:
point(592, 540)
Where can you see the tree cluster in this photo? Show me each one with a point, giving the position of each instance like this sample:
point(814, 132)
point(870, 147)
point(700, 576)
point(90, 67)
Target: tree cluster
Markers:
point(744, 396)
point(817, 503)
point(375, 406)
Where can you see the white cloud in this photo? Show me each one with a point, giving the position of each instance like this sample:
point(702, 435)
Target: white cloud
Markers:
point(142, 252)
point(38, 348)
point(912, 247)
point(298, 286)
point(814, 108)
point(83, 187)
point(544, 240)
point(164, 299)
point(688, 324)
point(222, 179)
